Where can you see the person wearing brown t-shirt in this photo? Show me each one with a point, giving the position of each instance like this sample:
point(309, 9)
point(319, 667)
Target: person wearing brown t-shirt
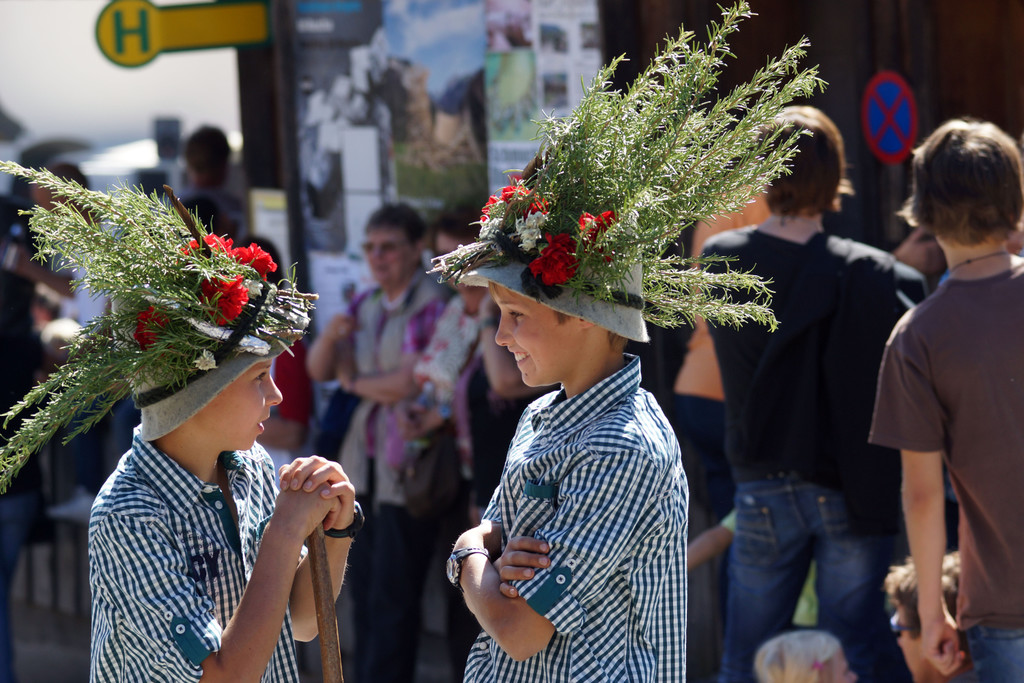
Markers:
point(952, 386)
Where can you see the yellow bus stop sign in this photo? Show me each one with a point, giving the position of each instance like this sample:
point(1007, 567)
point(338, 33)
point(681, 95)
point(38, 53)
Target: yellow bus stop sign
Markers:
point(133, 32)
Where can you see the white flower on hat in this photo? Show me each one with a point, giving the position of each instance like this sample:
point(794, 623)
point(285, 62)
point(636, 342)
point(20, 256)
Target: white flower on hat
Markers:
point(206, 361)
point(528, 229)
point(491, 228)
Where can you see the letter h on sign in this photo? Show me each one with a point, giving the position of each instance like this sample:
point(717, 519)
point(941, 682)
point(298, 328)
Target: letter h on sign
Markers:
point(141, 29)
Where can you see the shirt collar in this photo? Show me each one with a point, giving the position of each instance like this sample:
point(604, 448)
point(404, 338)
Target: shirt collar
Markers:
point(174, 481)
point(403, 300)
point(558, 411)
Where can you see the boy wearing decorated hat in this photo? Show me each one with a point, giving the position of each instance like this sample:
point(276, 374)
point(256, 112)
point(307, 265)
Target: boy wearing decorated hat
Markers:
point(578, 569)
point(588, 525)
point(196, 558)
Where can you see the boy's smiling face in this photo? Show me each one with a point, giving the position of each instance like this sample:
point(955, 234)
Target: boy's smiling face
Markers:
point(543, 345)
point(234, 418)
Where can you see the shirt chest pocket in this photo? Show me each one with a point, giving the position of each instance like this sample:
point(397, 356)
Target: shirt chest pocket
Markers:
point(537, 505)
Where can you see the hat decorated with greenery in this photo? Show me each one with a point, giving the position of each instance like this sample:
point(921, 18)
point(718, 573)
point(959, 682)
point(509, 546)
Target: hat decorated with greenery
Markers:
point(191, 312)
point(589, 229)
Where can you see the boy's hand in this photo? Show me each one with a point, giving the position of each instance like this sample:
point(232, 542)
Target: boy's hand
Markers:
point(325, 478)
point(941, 645)
point(518, 560)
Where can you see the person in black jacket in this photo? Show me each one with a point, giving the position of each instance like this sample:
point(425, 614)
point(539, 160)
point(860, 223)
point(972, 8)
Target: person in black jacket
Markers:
point(798, 407)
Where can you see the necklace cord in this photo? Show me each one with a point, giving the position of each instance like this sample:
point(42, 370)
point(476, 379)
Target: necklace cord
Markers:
point(978, 258)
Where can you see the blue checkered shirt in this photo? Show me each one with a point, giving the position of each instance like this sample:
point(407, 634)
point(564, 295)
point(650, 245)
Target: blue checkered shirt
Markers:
point(600, 478)
point(168, 565)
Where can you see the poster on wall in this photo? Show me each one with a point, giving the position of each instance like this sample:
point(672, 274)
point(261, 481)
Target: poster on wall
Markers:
point(540, 53)
point(342, 138)
point(427, 101)
point(436, 96)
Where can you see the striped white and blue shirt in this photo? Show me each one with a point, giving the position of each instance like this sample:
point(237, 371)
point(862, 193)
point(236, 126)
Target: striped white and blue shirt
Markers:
point(168, 565)
point(600, 478)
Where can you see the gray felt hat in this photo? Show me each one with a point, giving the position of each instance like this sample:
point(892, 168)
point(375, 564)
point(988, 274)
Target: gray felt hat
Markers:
point(621, 319)
point(166, 415)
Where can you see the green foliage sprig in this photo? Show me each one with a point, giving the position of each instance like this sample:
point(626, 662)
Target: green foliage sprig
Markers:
point(135, 250)
point(664, 154)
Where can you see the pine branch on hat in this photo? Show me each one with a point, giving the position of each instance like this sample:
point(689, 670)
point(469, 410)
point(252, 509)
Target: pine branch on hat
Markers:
point(615, 183)
point(184, 301)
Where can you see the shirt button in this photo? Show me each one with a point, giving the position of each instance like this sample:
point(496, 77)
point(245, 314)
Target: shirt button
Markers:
point(560, 579)
point(219, 505)
point(180, 629)
point(168, 615)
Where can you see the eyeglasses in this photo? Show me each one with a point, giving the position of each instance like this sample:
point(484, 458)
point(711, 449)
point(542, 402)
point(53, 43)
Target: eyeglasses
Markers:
point(897, 627)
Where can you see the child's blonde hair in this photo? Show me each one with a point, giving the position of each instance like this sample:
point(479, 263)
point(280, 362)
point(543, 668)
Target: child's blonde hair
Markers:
point(797, 657)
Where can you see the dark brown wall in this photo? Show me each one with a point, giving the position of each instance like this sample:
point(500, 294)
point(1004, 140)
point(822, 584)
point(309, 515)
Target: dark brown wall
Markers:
point(978, 65)
point(959, 58)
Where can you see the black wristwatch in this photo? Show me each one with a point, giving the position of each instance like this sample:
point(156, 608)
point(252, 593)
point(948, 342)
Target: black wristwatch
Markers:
point(352, 529)
point(454, 566)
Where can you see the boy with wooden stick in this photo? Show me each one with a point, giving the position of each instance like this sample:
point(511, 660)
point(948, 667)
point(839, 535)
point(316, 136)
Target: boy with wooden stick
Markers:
point(196, 559)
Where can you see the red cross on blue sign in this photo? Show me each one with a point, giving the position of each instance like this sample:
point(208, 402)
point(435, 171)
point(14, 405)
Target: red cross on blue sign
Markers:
point(889, 117)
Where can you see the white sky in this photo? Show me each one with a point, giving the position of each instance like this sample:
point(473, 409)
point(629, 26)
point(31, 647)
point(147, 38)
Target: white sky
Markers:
point(57, 84)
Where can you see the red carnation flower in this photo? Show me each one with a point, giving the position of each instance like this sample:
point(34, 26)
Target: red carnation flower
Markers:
point(230, 296)
point(592, 227)
point(557, 261)
point(491, 201)
point(510, 192)
point(606, 219)
point(215, 242)
point(255, 256)
point(145, 328)
point(587, 226)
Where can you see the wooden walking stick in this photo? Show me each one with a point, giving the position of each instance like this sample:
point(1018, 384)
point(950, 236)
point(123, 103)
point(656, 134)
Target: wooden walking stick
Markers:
point(326, 616)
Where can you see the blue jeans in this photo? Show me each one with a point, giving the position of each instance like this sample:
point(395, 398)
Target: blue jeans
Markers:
point(17, 513)
point(782, 523)
point(998, 653)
